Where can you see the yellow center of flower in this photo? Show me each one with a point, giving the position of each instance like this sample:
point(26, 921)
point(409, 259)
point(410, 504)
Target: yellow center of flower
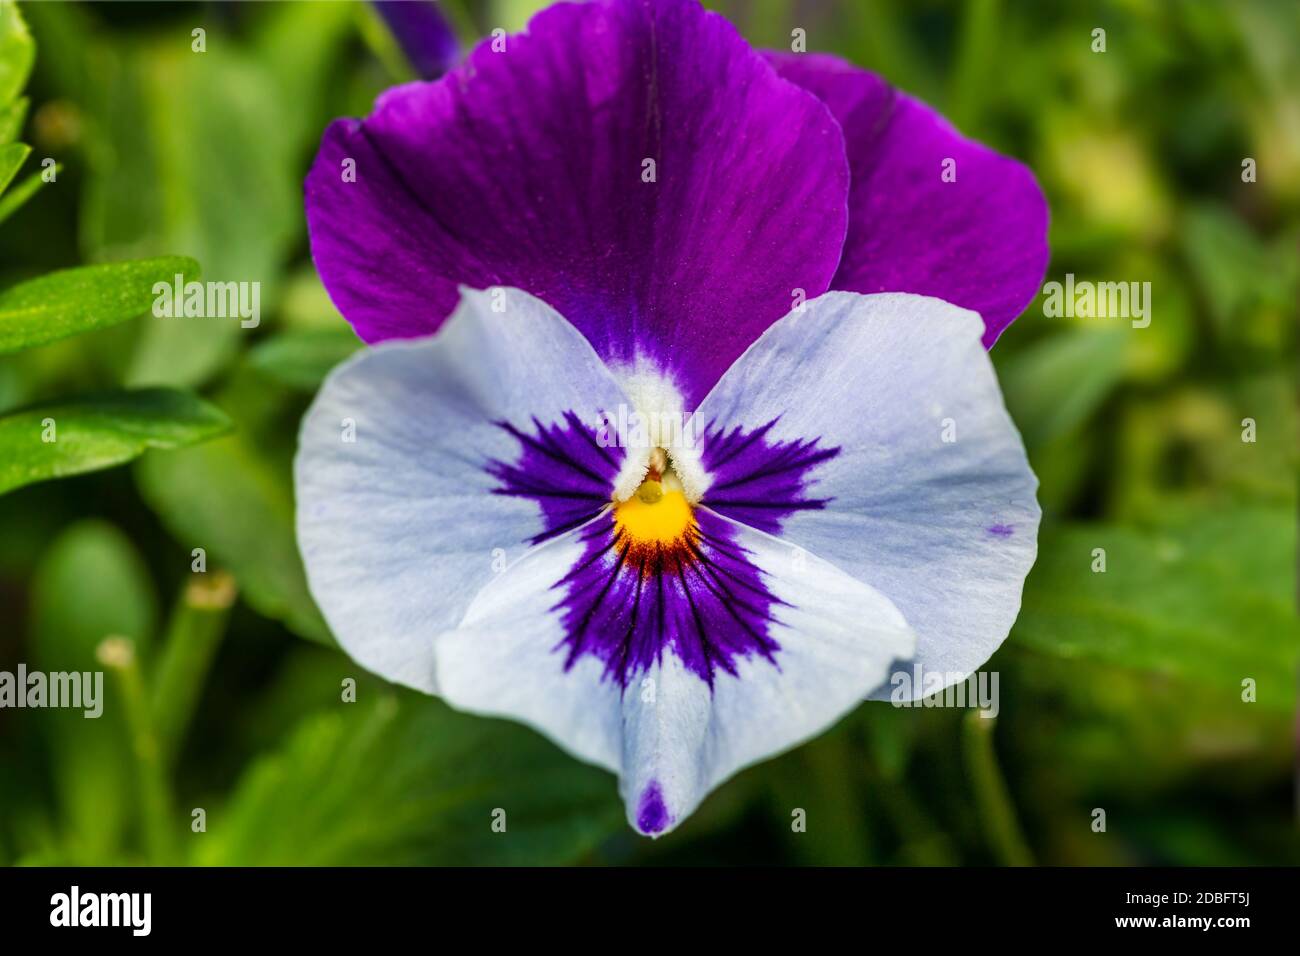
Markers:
point(657, 513)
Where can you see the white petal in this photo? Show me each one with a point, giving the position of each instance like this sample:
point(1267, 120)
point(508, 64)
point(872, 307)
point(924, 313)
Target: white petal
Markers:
point(399, 529)
point(946, 529)
point(669, 735)
point(506, 660)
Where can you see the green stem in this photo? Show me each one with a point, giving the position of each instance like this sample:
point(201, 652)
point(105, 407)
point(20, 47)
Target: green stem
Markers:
point(156, 817)
point(991, 797)
point(976, 64)
point(375, 35)
point(197, 625)
point(874, 28)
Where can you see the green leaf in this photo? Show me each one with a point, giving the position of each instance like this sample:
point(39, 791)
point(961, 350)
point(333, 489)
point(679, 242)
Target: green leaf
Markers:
point(73, 301)
point(11, 119)
point(1248, 285)
point(65, 31)
point(16, 198)
point(978, 73)
point(91, 583)
point(300, 43)
point(405, 780)
point(302, 359)
point(96, 432)
point(228, 498)
point(1206, 597)
point(17, 52)
point(12, 158)
point(1226, 258)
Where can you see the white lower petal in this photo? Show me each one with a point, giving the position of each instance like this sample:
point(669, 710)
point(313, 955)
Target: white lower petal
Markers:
point(505, 660)
point(671, 736)
point(947, 529)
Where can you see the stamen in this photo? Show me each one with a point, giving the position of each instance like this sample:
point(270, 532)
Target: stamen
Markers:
point(650, 491)
point(658, 514)
point(658, 463)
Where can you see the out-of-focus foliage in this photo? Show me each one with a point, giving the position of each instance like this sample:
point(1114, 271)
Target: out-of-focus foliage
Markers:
point(90, 760)
point(405, 780)
point(235, 497)
point(1161, 689)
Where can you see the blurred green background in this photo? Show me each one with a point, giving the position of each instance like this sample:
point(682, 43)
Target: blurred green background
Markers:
point(1120, 691)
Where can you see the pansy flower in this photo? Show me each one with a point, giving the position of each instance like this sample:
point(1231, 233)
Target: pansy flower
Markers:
point(678, 436)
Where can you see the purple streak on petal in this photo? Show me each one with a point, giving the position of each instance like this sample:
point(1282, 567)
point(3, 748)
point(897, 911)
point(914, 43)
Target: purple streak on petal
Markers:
point(979, 242)
point(758, 482)
point(700, 598)
point(651, 813)
point(564, 468)
point(423, 33)
point(525, 168)
point(1002, 530)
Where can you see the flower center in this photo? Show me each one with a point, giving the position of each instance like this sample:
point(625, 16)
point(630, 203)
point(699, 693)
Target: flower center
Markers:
point(658, 513)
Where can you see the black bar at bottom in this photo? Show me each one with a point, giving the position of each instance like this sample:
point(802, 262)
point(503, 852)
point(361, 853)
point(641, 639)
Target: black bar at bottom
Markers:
point(904, 907)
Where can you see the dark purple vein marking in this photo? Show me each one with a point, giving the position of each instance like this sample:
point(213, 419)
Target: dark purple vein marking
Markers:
point(563, 468)
point(757, 482)
point(628, 602)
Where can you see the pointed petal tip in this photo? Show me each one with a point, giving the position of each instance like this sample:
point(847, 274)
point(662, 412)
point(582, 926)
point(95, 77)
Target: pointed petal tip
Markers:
point(652, 817)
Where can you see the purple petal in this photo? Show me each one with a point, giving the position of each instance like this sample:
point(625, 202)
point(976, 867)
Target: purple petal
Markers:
point(525, 168)
point(423, 33)
point(979, 242)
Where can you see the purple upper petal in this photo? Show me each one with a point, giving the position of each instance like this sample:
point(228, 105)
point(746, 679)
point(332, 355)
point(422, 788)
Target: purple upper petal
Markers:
point(526, 168)
point(979, 242)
